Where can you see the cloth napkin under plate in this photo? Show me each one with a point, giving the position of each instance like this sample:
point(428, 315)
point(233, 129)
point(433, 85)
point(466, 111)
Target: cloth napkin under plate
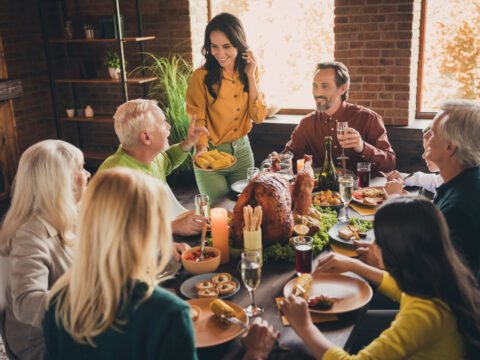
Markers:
point(316, 318)
point(363, 210)
point(344, 251)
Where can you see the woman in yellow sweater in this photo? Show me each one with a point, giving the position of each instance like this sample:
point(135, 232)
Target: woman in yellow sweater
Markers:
point(224, 96)
point(439, 315)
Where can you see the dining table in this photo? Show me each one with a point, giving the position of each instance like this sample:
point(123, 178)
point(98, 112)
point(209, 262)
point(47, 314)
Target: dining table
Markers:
point(274, 276)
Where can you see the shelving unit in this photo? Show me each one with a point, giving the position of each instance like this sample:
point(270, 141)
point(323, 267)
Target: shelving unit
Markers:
point(123, 82)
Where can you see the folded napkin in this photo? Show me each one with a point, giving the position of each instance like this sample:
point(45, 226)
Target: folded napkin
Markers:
point(363, 210)
point(344, 251)
point(316, 318)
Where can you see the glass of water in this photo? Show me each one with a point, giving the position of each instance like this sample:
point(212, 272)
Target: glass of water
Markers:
point(345, 184)
point(202, 205)
point(251, 270)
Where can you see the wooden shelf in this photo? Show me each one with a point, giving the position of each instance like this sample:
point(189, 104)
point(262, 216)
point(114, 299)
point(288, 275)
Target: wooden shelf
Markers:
point(96, 119)
point(95, 155)
point(128, 39)
point(107, 81)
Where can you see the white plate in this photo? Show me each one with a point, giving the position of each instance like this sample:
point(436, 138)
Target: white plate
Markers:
point(239, 186)
point(333, 234)
point(188, 286)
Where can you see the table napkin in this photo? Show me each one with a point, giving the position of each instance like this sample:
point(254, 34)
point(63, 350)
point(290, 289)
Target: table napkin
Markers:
point(344, 251)
point(363, 210)
point(316, 318)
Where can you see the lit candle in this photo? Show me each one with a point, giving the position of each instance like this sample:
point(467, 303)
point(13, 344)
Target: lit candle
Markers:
point(219, 222)
point(300, 163)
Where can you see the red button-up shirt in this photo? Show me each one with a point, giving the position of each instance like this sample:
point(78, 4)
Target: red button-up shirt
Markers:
point(308, 138)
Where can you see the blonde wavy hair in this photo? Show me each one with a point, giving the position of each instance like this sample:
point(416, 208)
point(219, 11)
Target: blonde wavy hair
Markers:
point(123, 226)
point(133, 117)
point(44, 187)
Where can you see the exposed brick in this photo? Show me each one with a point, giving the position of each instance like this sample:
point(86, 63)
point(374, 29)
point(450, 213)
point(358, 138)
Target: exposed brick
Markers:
point(382, 104)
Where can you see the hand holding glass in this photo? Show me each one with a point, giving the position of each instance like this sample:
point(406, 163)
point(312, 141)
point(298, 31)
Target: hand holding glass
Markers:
point(345, 184)
point(251, 274)
point(341, 126)
point(202, 205)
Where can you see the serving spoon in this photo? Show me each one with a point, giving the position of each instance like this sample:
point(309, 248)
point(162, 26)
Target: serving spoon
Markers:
point(202, 242)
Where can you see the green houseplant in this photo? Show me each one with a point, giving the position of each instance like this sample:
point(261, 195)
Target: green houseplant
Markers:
point(112, 63)
point(173, 75)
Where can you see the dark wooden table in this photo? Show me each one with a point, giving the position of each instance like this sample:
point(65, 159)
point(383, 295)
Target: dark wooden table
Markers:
point(274, 276)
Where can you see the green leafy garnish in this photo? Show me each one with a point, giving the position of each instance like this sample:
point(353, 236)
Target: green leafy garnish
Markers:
point(362, 225)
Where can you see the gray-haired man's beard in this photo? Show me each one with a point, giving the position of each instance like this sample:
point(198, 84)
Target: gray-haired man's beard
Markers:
point(321, 107)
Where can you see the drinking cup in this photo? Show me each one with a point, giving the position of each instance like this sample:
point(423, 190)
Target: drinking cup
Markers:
point(202, 205)
point(303, 253)
point(363, 172)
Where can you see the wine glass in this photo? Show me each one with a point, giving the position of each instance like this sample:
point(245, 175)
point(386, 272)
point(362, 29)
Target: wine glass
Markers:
point(341, 126)
point(251, 272)
point(345, 184)
point(202, 205)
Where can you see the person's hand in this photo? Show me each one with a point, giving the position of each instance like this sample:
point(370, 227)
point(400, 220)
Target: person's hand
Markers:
point(189, 225)
point(367, 252)
point(251, 64)
point(351, 139)
point(193, 134)
point(199, 151)
point(295, 309)
point(334, 263)
point(259, 340)
point(178, 249)
point(395, 176)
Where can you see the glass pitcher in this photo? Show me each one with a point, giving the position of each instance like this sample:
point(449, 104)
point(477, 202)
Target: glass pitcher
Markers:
point(286, 164)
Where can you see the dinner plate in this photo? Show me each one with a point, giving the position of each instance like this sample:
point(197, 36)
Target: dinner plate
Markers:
point(333, 234)
point(209, 331)
point(333, 207)
point(348, 293)
point(239, 186)
point(222, 168)
point(360, 201)
point(188, 286)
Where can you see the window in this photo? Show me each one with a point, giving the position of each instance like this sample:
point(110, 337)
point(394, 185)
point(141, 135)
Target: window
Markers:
point(451, 53)
point(288, 39)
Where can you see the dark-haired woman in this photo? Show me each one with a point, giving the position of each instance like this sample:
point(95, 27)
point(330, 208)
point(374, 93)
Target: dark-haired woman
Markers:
point(224, 95)
point(439, 315)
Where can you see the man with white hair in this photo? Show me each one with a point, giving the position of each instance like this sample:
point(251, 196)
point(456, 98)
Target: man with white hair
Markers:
point(455, 148)
point(143, 132)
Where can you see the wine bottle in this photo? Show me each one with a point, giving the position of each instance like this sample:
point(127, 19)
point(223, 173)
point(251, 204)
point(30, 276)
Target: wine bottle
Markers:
point(328, 177)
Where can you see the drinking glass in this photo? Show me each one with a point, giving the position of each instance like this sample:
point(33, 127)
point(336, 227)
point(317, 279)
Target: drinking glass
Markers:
point(341, 126)
point(202, 205)
point(252, 172)
point(303, 254)
point(363, 171)
point(345, 184)
point(251, 272)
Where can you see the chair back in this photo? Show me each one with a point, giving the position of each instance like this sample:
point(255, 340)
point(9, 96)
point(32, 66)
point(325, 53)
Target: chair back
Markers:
point(175, 207)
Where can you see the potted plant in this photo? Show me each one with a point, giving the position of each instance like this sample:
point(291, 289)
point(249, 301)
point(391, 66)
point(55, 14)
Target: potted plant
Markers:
point(173, 75)
point(80, 110)
point(89, 35)
point(112, 63)
point(70, 108)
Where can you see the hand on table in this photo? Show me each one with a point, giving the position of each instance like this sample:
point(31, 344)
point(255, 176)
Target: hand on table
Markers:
point(178, 249)
point(367, 252)
point(193, 134)
point(189, 225)
point(351, 139)
point(259, 340)
point(334, 263)
point(395, 176)
point(295, 308)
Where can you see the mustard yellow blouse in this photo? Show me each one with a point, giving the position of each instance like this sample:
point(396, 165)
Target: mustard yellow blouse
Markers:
point(229, 117)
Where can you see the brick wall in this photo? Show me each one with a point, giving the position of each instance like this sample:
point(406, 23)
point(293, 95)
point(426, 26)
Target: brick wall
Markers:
point(378, 41)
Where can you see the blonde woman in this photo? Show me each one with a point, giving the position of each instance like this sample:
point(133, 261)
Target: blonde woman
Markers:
point(106, 306)
point(36, 236)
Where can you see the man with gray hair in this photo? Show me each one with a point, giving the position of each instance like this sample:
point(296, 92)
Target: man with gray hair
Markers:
point(455, 148)
point(143, 132)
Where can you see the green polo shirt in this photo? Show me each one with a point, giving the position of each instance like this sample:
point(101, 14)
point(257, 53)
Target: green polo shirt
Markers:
point(459, 201)
point(159, 328)
point(163, 164)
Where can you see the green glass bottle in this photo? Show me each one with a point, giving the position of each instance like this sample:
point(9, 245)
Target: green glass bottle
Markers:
point(328, 177)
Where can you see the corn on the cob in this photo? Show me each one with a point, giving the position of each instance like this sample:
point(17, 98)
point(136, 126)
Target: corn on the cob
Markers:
point(303, 281)
point(202, 162)
point(220, 307)
point(222, 162)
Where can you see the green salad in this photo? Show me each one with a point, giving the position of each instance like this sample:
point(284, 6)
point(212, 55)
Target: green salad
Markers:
point(362, 225)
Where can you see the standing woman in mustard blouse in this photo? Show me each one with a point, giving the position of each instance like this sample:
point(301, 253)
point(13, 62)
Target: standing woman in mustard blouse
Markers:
point(224, 96)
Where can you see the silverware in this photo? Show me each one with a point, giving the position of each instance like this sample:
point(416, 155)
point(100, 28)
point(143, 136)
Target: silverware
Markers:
point(407, 176)
point(234, 320)
point(202, 245)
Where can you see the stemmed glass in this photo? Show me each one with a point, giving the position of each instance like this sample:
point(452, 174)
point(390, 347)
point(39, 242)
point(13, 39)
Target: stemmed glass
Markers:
point(345, 184)
point(341, 126)
point(202, 205)
point(251, 273)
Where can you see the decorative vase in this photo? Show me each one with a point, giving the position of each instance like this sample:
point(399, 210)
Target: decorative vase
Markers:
point(88, 111)
point(89, 34)
point(70, 113)
point(114, 73)
point(81, 112)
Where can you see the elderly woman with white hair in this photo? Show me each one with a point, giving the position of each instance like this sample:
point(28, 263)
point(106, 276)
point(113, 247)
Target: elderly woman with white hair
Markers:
point(455, 148)
point(36, 238)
